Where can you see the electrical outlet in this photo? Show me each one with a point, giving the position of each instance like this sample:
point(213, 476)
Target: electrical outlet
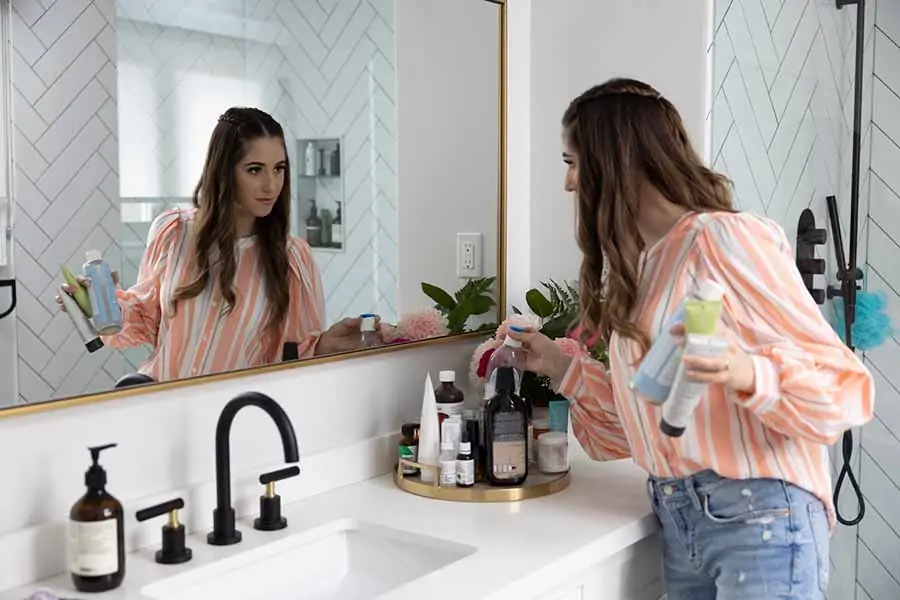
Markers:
point(468, 255)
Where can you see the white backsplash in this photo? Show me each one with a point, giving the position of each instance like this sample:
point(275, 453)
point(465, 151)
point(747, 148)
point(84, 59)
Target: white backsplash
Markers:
point(340, 411)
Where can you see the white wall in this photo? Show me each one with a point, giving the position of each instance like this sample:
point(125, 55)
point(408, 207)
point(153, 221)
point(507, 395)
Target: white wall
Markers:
point(448, 130)
point(575, 44)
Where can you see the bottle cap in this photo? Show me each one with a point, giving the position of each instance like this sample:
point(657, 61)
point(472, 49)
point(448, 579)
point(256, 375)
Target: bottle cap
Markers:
point(710, 291)
point(410, 430)
point(92, 255)
point(447, 376)
point(553, 438)
point(465, 447)
point(670, 430)
point(368, 322)
point(95, 476)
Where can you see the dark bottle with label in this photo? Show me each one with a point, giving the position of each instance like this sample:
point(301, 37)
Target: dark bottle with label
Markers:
point(314, 227)
point(97, 534)
point(450, 399)
point(506, 433)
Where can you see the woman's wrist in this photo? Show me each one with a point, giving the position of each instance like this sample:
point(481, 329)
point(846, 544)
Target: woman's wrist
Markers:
point(561, 367)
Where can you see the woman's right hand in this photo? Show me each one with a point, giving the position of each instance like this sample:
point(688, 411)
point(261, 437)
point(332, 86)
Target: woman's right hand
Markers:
point(542, 355)
point(70, 290)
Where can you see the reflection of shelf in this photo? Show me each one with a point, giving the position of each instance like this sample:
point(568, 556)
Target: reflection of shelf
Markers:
point(319, 176)
point(327, 249)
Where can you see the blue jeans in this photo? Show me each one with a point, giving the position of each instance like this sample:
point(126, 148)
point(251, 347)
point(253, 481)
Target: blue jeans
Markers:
point(729, 539)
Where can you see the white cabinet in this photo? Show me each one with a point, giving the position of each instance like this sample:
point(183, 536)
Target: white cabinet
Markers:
point(635, 573)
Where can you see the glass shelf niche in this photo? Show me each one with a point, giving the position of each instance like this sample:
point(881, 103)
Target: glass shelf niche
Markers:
point(319, 193)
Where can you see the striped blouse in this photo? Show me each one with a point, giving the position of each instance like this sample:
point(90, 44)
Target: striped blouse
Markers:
point(198, 338)
point(809, 386)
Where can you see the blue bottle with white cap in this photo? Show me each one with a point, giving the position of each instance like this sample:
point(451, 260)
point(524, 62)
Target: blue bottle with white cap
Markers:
point(107, 319)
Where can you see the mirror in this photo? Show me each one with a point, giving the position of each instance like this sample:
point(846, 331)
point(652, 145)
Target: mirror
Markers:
point(392, 119)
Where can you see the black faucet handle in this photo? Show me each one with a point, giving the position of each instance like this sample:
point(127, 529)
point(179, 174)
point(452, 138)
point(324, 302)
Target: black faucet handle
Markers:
point(279, 475)
point(174, 551)
point(270, 518)
point(811, 266)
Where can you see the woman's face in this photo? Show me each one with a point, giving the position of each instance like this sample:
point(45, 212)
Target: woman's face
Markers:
point(260, 176)
point(571, 180)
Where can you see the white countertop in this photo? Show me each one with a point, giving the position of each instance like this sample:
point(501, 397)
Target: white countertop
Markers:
point(522, 548)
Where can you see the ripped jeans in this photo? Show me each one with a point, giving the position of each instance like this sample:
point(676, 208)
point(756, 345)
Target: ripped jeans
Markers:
point(729, 539)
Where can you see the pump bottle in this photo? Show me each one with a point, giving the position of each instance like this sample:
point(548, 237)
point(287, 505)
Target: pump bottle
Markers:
point(97, 533)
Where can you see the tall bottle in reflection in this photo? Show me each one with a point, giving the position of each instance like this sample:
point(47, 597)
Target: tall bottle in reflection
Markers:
point(337, 229)
point(314, 226)
point(506, 433)
point(309, 157)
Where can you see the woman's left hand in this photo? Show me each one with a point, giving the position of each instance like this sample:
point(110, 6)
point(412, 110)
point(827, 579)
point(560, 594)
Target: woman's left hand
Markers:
point(734, 370)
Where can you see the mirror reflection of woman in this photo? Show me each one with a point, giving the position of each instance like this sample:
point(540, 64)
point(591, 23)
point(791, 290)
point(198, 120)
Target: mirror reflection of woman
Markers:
point(223, 285)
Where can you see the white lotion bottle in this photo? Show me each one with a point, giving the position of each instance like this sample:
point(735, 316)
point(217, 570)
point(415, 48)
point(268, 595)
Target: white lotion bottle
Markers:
point(429, 434)
point(309, 168)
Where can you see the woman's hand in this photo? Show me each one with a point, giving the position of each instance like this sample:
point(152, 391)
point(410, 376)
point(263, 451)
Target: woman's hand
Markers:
point(734, 370)
point(83, 282)
point(344, 336)
point(542, 355)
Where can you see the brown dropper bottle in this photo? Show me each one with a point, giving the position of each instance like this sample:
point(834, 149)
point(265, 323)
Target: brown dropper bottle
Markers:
point(97, 533)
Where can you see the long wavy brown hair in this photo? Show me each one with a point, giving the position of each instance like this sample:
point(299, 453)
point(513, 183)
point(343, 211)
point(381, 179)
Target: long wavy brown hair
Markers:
point(216, 199)
point(625, 134)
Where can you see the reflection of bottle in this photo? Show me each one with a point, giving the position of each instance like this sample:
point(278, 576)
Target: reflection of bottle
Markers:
point(322, 161)
point(506, 433)
point(310, 158)
point(82, 324)
point(370, 337)
point(337, 229)
point(327, 227)
point(336, 161)
point(102, 291)
point(314, 226)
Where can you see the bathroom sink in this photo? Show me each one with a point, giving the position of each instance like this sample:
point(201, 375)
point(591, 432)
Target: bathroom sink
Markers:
point(345, 559)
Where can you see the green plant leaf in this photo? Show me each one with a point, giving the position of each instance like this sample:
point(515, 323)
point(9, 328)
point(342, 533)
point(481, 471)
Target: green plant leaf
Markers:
point(444, 301)
point(539, 304)
point(516, 310)
point(480, 305)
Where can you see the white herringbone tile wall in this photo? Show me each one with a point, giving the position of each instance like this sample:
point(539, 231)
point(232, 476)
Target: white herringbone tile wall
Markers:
point(781, 127)
point(879, 534)
point(324, 69)
point(65, 181)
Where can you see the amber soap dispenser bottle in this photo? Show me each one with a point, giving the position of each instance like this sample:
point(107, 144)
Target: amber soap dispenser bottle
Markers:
point(97, 533)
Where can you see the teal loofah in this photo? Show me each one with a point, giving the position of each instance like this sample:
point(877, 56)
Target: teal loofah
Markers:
point(872, 326)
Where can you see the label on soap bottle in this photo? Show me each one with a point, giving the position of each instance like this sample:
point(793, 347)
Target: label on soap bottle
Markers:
point(93, 548)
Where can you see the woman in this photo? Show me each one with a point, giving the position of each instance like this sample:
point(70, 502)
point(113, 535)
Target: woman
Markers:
point(744, 496)
point(224, 286)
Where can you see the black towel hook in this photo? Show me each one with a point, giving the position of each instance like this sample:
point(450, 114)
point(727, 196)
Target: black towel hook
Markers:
point(11, 284)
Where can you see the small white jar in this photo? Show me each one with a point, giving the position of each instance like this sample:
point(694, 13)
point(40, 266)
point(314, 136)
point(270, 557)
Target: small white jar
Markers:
point(553, 452)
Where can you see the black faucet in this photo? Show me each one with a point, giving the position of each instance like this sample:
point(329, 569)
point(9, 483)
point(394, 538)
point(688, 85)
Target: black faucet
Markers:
point(224, 532)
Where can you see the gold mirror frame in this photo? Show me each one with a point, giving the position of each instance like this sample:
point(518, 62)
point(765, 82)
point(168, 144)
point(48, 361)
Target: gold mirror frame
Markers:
point(85, 399)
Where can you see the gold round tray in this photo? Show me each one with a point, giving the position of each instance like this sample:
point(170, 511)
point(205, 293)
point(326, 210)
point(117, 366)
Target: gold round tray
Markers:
point(536, 486)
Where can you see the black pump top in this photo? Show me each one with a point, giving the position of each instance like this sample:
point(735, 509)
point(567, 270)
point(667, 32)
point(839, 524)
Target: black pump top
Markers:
point(95, 476)
point(506, 381)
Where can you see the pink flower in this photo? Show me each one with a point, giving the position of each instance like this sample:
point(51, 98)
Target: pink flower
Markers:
point(424, 324)
point(480, 359)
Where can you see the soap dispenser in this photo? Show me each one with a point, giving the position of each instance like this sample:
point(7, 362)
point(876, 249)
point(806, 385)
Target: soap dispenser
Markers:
point(97, 533)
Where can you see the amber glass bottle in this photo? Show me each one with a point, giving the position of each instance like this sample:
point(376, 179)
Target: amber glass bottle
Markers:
point(506, 433)
point(97, 534)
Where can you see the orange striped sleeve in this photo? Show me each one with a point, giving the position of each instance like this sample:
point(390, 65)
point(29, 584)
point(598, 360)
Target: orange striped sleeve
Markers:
point(306, 317)
point(808, 383)
point(592, 408)
point(140, 302)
